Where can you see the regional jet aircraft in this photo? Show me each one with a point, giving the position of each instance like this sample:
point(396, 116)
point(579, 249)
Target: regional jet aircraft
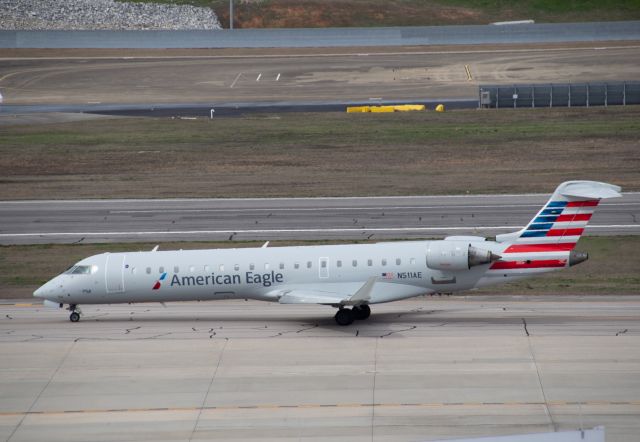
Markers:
point(347, 277)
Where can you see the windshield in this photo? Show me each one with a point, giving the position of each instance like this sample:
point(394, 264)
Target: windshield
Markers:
point(81, 270)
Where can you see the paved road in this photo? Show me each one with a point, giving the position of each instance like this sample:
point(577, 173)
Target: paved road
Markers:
point(26, 222)
point(327, 37)
point(426, 369)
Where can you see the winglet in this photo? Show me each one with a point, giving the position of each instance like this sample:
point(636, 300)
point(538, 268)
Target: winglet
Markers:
point(363, 295)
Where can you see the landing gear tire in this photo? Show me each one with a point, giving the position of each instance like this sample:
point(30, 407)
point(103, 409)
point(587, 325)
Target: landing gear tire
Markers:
point(344, 316)
point(361, 311)
point(74, 317)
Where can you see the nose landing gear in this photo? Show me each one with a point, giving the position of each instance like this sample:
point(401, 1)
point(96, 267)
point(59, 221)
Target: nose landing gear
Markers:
point(75, 313)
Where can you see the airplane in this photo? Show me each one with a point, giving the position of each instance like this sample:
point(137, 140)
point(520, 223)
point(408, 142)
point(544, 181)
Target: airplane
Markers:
point(349, 277)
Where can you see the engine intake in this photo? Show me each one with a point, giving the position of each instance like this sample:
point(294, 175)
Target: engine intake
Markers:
point(454, 255)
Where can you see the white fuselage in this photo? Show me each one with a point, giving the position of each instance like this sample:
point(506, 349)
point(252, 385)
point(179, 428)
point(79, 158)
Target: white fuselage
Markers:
point(400, 270)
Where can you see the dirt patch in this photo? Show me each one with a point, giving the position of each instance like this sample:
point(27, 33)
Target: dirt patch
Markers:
point(353, 13)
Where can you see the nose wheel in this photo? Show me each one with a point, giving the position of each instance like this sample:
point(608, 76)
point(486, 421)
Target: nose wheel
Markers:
point(75, 313)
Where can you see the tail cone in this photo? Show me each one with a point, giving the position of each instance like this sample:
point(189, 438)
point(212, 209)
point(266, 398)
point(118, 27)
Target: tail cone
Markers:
point(576, 258)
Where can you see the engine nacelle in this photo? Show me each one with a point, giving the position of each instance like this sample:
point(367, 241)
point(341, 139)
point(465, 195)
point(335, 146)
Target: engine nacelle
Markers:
point(457, 255)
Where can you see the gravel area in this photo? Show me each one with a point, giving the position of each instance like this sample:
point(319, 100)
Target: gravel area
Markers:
point(102, 14)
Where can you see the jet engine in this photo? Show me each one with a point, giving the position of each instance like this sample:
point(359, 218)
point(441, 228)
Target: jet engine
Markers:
point(457, 255)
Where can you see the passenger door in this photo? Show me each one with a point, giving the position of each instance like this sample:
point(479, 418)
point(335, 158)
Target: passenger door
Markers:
point(114, 273)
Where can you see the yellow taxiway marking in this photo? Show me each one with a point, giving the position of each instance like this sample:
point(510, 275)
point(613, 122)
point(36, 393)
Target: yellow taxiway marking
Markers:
point(468, 71)
point(317, 406)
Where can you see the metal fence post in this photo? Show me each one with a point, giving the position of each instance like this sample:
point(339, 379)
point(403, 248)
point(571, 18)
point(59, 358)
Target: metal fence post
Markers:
point(606, 94)
point(587, 94)
point(533, 96)
point(551, 96)
point(569, 96)
point(497, 97)
point(624, 94)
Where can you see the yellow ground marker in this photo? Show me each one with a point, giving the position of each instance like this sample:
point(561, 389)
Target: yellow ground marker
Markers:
point(468, 71)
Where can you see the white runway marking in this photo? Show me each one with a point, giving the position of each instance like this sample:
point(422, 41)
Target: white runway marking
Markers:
point(259, 76)
point(329, 230)
point(309, 198)
point(278, 77)
point(235, 80)
point(385, 54)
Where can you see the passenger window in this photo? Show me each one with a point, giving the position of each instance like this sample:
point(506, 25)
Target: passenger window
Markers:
point(323, 264)
point(384, 262)
point(354, 263)
point(338, 263)
point(148, 270)
point(252, 266)
point(398, 261)
point(308, 264)
point(133, 270)
point(221, 267)
point(369, 263)
point(207, 269)
point(413, 261)
point(296, 265)
point(281, 266)
point(176, 269)
point(266, 266)
point(236, 267)
point(161, 269)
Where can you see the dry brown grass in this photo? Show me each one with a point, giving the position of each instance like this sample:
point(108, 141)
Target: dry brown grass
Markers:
point(329, 154)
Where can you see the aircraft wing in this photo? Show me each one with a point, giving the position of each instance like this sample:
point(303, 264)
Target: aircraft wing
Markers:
point(314, 296)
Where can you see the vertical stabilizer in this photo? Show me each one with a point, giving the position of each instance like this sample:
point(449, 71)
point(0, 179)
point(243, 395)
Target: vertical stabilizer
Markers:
point(561, 221)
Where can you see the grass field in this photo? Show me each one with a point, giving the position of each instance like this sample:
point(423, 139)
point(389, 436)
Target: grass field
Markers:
point(347, 13)
point(611, 269)
point(326, 154)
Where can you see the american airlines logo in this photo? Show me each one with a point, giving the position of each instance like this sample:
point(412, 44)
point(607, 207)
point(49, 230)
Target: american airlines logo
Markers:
point(158, 283)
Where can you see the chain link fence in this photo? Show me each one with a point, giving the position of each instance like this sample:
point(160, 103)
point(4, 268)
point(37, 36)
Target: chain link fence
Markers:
point(559, 95)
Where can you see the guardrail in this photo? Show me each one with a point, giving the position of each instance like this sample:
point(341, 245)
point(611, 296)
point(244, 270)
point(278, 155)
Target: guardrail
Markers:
point(325, 37)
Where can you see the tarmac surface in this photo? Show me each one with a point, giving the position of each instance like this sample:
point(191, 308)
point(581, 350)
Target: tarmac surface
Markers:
point(313, 76)
point(424, 369)
point(29, 222)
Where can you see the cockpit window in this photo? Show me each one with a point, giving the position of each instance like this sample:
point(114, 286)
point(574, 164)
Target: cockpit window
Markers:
point(81, 270)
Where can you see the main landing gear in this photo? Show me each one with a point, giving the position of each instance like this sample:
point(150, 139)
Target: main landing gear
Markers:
point(75, 313)
point(346, 316)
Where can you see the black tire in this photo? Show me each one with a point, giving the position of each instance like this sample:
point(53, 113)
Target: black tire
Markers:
point(74, 317)
point(344, 316)
point(361, 311)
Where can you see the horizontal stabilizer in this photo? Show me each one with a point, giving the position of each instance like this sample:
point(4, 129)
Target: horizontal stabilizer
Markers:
point(590, 190)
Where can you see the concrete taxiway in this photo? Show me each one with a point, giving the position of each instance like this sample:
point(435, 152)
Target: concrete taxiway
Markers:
point(424, 369)
point(312, 75)
point(25, 222)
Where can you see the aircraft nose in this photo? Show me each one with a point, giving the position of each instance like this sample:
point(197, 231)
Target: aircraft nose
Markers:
point(40, 292)
point(47, 289)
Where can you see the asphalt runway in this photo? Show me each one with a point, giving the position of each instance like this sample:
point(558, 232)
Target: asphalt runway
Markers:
point(312, 76)
point(28, 222)
point(424, 369)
